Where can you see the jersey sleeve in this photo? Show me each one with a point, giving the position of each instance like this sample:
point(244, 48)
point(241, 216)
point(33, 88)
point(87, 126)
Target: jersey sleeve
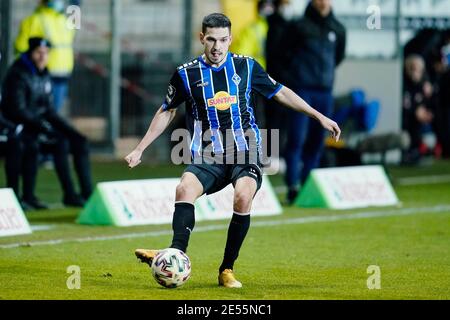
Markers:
point(263, 83)
point(176, 93)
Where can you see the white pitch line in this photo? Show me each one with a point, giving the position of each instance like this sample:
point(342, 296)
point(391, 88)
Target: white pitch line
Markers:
point(301, 220)
point(41, 227)
point(411, 181)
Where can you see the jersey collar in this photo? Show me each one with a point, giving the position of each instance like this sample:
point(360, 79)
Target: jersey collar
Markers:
point(200, 58)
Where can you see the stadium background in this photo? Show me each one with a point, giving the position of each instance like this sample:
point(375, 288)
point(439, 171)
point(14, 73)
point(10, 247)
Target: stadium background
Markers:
point(137, 44)
point(155, 36)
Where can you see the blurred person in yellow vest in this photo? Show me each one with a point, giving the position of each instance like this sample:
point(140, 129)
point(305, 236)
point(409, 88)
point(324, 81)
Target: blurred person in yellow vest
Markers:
point(49, 21)
point(252, 39)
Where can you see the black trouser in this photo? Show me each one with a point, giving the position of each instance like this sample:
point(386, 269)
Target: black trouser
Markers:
point(442, 119)
point(79, 148)
point(61, 143)
point(414, 129)
point(12, 149)
point(276, 117)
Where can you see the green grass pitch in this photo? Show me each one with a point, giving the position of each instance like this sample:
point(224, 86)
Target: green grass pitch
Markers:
point(293, 259)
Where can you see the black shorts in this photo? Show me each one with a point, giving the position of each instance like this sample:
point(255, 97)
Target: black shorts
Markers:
point(214, 177)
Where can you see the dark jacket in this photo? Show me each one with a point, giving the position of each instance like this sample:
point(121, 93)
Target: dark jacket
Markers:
point(413, 97)
point(5, 124)
point(27, 97)
point(275, 60)
point(444, 94)
point(315, 47)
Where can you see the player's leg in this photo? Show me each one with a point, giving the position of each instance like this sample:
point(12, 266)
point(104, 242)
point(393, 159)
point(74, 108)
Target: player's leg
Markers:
point(196, 180)
point(246, 184)
point(188, 190)
point(183, 221)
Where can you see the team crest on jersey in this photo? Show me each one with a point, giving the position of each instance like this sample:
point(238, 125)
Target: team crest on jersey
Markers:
point(236, 79)
point(222, 101)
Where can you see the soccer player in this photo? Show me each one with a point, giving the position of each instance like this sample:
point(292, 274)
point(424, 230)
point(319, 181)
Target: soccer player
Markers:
point(218, 87)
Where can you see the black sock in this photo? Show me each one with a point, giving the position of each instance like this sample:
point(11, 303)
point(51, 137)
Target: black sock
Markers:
point(236, 234)
point(182, 224)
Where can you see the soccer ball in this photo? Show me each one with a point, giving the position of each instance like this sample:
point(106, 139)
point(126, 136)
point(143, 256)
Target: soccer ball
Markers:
point(171, 268)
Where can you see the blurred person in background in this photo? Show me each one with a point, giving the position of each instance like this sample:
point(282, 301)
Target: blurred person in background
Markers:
point(252, 42)
point(443, 109)
point(27, 100)
point(433, 46)
point(275, 45)
point(277, 68)
point(435, 73)
point(417, 115)
point(48, 21)
point(315, 46)
point(252, 39)
point(11, 148)
point(424, 43)
point(444, 112)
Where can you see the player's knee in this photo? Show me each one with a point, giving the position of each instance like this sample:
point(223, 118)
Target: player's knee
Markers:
point(182, 191)
point(189, 188)
point(242, 201)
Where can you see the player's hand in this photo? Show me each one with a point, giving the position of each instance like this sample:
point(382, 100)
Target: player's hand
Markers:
point(134, 158)
point(331, 126)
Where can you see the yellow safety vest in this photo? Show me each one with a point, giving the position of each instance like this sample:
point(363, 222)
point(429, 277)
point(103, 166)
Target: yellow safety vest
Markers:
point(252, 41)
point(51, 25)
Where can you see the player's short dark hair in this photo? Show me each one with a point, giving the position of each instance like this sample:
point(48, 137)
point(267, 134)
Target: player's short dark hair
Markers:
point(216, 20)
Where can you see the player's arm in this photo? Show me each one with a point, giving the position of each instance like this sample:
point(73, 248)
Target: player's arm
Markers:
point(159, 123)
point(288, 98)
point(269, 88)
point(163, 117)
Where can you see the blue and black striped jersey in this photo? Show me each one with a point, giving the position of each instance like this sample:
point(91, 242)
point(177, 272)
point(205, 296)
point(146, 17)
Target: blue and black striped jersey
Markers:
point(220, 99)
